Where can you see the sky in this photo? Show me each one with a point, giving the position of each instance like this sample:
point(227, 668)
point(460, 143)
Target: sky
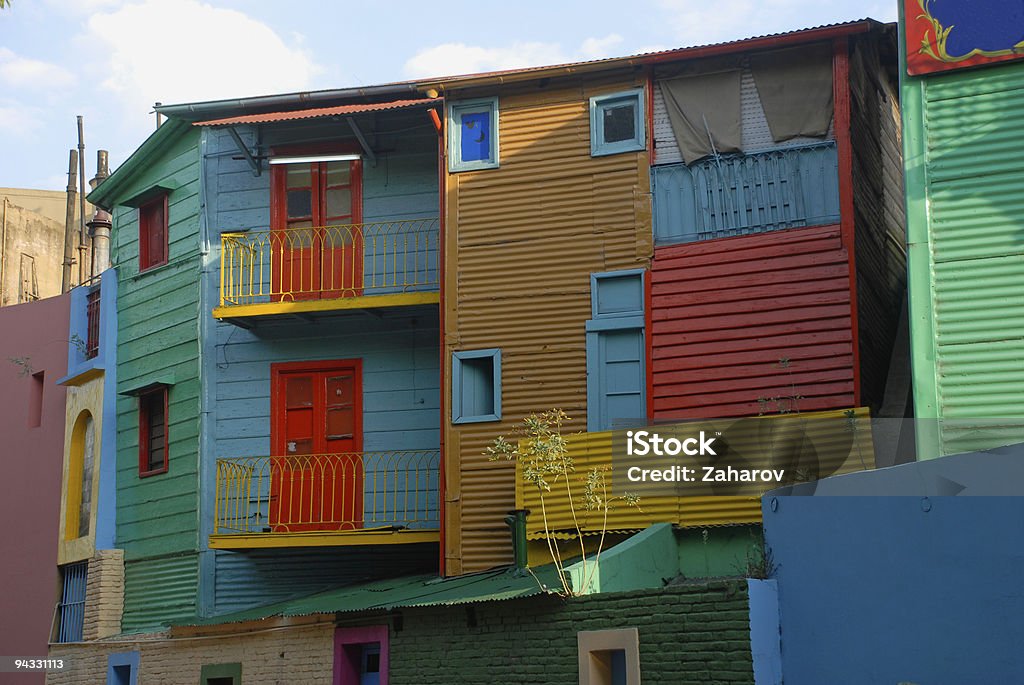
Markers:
point(110, 60)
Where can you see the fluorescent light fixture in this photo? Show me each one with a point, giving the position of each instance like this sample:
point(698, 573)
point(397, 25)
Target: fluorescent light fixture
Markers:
point(313, 158)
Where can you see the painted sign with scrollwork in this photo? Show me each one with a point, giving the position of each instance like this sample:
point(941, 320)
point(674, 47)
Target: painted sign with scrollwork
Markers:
point(942, 35)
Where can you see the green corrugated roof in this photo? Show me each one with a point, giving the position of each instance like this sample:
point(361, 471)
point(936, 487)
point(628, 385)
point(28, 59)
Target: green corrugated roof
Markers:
point(407, 591)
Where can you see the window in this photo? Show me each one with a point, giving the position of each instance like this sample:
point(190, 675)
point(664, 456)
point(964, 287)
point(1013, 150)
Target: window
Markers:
point(78, 507)
point(617, 123)
point(71, 610)
point(476, 386)
point(473, 135)
point(153, 232)
point(123, 668)
point(92, 316)
point(35, 400)
point(609, 657)
point(616, 350)
point(221, 674)
point(153, 432)
point(361, 656)
point(316, 212)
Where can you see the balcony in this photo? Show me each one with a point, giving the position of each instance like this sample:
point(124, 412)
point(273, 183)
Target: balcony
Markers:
point(841, 443)
point(328, 268)
point(315, 500)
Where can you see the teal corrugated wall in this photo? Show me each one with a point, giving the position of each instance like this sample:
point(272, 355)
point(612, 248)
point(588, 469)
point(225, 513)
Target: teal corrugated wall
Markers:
point(159, 592)
point(974, 144)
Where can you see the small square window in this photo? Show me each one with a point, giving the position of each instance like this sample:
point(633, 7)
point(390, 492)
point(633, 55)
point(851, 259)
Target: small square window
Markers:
point(153, 432)
point(221, 674)
point(617, 123)
point(476, 386)
point(609, 657)
point(473, 135)
point(153, 233)
point(123, 668)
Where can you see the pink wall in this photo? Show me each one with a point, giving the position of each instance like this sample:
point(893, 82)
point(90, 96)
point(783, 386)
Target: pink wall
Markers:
point(31, 458)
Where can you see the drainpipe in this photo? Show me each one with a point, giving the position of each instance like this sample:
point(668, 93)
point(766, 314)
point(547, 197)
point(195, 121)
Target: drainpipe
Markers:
point(3, 251)
point(516, 521)
point(99, 225)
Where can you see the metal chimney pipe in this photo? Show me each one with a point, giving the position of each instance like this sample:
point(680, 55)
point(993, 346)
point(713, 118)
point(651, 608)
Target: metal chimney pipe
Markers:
point(83, 240)
point(99, 225)
point(69, 222)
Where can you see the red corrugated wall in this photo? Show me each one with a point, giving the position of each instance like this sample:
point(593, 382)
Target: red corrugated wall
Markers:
point(725, 313)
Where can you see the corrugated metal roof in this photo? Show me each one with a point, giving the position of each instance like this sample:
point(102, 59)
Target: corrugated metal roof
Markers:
point(409, 591)
point(289, 115)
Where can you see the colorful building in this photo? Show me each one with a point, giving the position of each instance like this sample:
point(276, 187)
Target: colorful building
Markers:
point(329, 303)
point(962, 132)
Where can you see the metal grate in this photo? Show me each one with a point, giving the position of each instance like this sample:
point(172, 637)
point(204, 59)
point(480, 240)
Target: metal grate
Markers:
point(72, 602)
point(92, 311)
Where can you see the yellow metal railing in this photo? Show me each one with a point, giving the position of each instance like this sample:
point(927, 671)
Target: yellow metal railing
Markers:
point(325, 262)
point(836, 450)
point(327, 492)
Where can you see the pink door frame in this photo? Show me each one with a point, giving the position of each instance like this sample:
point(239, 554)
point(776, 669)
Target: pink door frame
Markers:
point(347, 653)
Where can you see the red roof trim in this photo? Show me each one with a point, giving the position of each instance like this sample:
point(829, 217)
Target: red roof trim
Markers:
point(315, 113)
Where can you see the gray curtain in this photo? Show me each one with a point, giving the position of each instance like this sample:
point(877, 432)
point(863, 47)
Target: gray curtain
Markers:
point(795, 87)
point(704, 104)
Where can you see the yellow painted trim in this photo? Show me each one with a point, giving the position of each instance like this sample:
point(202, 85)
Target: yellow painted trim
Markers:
point(82, 378)
point(341, 303)
point(382, 536)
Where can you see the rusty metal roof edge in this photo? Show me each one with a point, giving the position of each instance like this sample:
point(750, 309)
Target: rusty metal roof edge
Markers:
point(295, 114)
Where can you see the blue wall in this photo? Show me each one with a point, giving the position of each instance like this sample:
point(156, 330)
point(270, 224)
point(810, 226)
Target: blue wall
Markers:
point(899, 589)
point(399, 351)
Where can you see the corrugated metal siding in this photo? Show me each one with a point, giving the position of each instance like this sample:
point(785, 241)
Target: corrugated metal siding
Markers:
point(248, 579)
point(738, 195)
point(879, 237)
point(725, 312)
point(754, 125)
point(526, 238)
point(975, 141)
point(594, 450)
point(159, 592)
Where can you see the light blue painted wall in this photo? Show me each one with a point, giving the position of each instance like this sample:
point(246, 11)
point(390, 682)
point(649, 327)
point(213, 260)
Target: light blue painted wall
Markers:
point(741, 194)
point(399, 350)
point(765, 647)
point(899, 589)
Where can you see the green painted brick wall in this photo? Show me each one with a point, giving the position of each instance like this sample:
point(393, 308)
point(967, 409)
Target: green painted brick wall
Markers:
point(694, 633)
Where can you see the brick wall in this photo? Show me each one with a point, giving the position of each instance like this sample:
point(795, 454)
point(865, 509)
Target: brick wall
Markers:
point(688, 634)
point(695, 633)
point(280, 656)
point(104, 594)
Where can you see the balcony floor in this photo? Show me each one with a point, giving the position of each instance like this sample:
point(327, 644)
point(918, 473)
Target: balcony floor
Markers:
point(235, 312)
point(333, 538)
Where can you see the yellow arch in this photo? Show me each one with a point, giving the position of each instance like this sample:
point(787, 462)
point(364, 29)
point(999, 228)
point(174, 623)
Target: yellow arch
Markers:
point(83, 436)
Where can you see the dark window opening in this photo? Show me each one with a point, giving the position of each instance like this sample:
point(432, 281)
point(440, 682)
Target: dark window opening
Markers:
point(153, 233)
point(92, 336)
point(153, 432)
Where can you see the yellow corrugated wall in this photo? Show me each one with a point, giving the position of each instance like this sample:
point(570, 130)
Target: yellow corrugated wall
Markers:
point(521, 243)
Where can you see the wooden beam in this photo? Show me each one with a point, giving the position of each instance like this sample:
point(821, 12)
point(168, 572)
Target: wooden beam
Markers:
point(254, 164)
point(367, 150)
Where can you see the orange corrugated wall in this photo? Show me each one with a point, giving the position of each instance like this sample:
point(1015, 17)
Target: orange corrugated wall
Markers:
point(524, 239)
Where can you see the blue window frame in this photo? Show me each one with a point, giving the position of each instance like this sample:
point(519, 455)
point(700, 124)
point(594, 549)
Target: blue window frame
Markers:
point(618, 123)
point(123, 668)
point(473, 135)
point(616, 350)
point(476, 386)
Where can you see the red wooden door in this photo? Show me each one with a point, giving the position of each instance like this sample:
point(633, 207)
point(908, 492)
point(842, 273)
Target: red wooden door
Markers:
point(316, 472)
point(316, 241)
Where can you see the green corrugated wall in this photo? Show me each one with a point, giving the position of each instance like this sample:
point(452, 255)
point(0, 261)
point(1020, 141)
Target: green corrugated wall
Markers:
point(157, 519)
point(964, 145)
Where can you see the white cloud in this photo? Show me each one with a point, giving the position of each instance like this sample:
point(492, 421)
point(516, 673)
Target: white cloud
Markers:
point(458, 58)
point(185, 50)
point(22, 72)
point(18, 119)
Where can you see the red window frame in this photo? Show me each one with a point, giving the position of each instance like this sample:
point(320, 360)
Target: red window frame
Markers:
point(149, 401)
point(153, 232)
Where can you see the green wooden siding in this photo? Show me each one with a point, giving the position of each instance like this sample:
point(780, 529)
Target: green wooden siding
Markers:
point(964, 139)
point(157, 520)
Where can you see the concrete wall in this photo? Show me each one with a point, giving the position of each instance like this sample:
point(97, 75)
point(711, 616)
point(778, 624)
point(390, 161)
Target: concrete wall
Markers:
point(916, 588)
point(30, 240)
point(33, 355)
